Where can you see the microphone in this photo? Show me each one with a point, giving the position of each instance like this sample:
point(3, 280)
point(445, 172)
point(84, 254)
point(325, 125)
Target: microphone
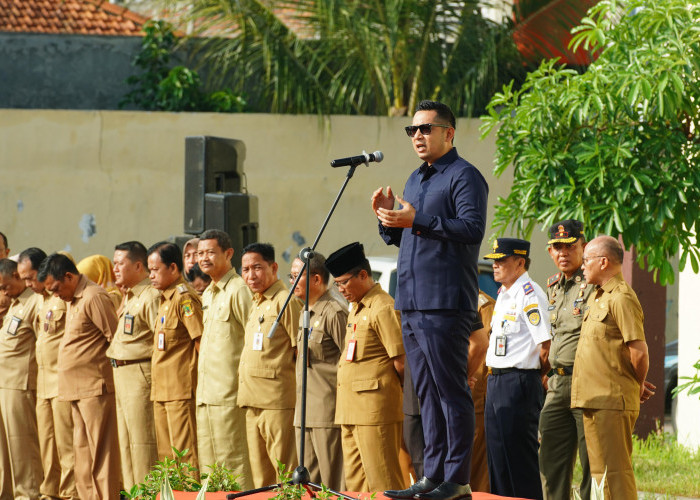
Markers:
point(356, 160)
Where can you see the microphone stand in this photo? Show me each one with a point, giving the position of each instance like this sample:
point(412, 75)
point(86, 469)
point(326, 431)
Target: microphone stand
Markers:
point(301, 475)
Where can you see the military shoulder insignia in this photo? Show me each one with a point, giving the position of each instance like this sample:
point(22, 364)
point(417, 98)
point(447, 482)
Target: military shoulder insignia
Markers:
point(527, 288)
point(553, 280)
point(182, 288)
point(187, 310)
point(533, 314)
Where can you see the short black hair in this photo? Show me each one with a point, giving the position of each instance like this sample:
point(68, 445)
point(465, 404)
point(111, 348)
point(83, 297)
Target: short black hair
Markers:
point(34, 255)
point(56, 266)
point(135, 251)
point(266, 250)
point(4, 239)
point(222, 239)
point(443, 111)
point(169, 253)
point(317, 265)
point(8, 267)
point(196, 272)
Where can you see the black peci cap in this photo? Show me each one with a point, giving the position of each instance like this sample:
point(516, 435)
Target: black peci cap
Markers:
point(344, 259)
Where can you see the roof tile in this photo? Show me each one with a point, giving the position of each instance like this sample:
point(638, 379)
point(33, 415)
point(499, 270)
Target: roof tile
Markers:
point(92, 17)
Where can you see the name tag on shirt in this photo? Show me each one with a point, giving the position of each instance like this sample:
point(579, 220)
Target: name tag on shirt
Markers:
point(351, 350)
point(161, 341)
point(14, 325)
point(258, 341)
point(128, 324)
point(501, 344)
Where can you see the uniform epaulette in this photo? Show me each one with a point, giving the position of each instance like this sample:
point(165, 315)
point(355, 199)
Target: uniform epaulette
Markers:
point(553, 280)
point(527, 288)
point(182, 288)
point(500, 289)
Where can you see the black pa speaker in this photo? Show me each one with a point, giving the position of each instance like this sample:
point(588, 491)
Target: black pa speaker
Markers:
point(235, 214)
point(212, 165)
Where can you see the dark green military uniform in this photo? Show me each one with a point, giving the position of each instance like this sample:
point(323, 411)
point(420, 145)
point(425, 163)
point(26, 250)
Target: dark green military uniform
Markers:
point(561, 426)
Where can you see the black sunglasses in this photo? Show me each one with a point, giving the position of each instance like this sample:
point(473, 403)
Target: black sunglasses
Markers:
point(425, 128)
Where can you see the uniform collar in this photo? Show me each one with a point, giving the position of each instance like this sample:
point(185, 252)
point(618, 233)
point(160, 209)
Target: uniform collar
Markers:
point(170, 291)
point(518, 284)
point(564, 281)
point(366, 300)
point(139, 287)
point(612, 283)
point(23, 297)
point(321, 303)
point(271, 291)
point(82, 283)
point(221, 284)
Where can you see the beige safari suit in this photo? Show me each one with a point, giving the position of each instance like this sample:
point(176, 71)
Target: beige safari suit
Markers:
point(605, 386)
point(174, 370)
point(20, 462)
point(85, 379)
point(267, 385)
point(132, 349)
point(221, 428)
point(370, 398)
point(479, 471)
point(54, 419)
point(323, 452)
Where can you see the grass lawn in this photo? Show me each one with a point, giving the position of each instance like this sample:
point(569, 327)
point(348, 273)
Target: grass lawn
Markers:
point(662, 466)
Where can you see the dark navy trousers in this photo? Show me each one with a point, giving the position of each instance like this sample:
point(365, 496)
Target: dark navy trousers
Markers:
point(513, 404)
point(437, 345)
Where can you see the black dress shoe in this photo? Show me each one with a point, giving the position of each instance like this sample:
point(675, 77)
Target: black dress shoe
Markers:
point(423, 485)
point(447, 491)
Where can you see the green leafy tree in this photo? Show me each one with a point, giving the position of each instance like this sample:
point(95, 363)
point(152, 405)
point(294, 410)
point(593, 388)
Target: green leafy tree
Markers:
point(373, 57)
point(617, 146)
point(158, 87)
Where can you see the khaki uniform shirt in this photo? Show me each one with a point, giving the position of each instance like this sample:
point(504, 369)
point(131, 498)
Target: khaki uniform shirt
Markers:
point(486, 305)
point(49, 324)
point(17, 343)
point(604, 377)
point(328, 320)
point(266, 375)
point(174, 367)
point(4, 305)
point(83, 368)
point(369, 389)
point(133, 340)
point(226, 306)
point(567, 305)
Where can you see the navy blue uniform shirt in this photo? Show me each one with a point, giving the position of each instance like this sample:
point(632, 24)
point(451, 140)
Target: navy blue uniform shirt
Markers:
point(437, 267)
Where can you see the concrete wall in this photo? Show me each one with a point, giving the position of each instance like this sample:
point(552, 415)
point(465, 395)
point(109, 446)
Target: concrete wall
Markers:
point(688, 408)
point(64, 71)
point(86, 180)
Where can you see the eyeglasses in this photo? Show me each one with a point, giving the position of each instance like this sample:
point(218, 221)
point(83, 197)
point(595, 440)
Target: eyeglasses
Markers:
point(425, 128)
point(344, 283)
point(586, 260)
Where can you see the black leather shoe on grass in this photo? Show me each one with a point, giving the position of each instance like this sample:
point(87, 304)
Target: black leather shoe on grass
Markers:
point(447, 491)
point(423, 485)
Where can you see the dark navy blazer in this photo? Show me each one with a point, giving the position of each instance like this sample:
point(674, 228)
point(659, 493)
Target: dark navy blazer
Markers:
point(437, 267)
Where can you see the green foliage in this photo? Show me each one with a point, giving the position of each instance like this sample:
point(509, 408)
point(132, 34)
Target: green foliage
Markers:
point(161, 88)
point(616, 146)
point(181, 476)
point(376, 57)
point(693, 383)
point(287, 490)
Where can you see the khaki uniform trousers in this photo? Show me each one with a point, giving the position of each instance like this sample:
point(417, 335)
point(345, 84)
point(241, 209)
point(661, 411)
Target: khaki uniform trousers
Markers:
point(270, 435)
point(371, 457)
point(609, 442)
point(176, 428)
point(221, 439)
point(95, 444)
point(562, 434)
point(323, 455)
point(55, 424)
point(20, 462)
point(135, 422)
point(480, 471)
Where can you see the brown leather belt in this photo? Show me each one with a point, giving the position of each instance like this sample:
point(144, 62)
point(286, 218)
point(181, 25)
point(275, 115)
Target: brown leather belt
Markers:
point(116, 363)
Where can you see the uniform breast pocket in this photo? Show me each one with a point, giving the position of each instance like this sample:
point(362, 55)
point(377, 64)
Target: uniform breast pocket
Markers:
point(362, 335)
point(316, 344)
point(511, 326)
point(53, 321)
point(595, 320)
point(221, 313)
